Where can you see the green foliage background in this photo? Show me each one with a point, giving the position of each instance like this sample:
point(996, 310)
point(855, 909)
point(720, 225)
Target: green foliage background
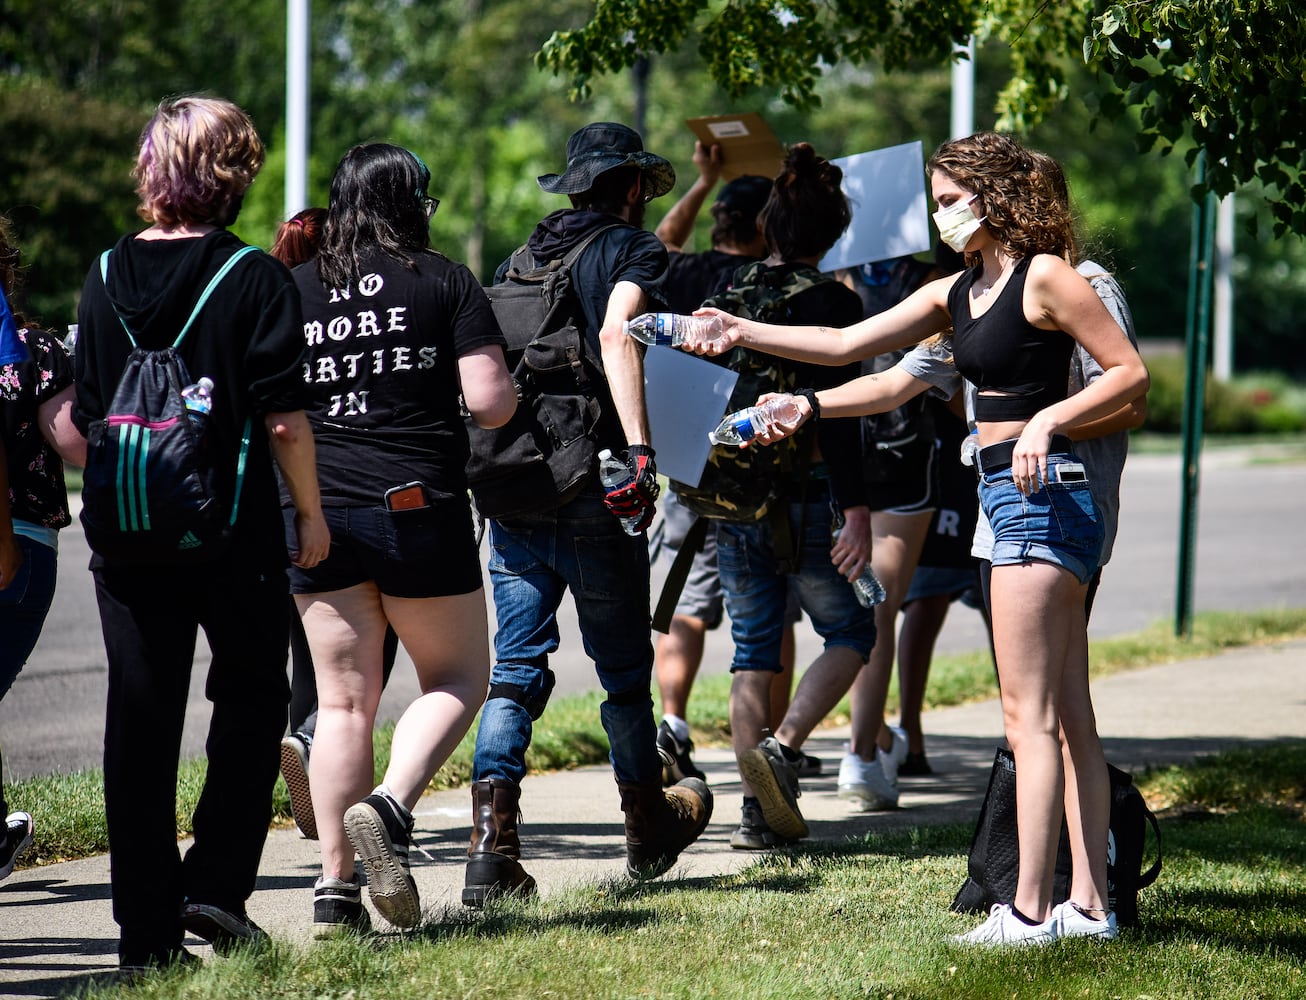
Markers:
point(456, 80)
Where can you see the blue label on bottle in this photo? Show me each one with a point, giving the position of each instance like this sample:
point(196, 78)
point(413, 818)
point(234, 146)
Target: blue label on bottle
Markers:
point(662, 334)
point(743, 425)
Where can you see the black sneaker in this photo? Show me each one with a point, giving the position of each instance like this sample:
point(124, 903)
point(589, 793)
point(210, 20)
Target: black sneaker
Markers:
point(774, 780)
point(224, 929)
point(676, 765)
point(914, 765)
point(808, 766)
point(294, 769)
point(338, 907)
point(380, 830)
point(752, 834)
point(16, 839)
point(133, 966)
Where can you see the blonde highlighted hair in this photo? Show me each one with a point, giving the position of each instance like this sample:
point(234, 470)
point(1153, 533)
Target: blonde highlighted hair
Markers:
point(196, 159)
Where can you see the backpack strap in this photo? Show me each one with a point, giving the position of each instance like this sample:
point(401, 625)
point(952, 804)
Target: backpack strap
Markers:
point(240, 470)
point(678, 574)
point(204, 296)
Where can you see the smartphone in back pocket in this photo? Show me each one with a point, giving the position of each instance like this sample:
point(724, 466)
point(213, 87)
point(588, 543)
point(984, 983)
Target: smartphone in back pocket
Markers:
point(1068, 472)
point(410, 496)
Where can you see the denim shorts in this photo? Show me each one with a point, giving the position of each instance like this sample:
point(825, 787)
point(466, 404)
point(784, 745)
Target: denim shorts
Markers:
point(757, 592)
point(427, 552)
point(1059, 524)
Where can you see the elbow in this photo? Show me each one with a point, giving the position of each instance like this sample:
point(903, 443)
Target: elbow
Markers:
point(1137, 413)
point(287, 429)
point(496, 413)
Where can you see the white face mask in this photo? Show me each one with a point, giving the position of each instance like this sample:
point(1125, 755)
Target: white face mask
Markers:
point(957, 224)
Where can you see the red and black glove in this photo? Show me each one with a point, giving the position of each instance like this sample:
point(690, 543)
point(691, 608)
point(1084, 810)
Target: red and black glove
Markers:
point(638, 498)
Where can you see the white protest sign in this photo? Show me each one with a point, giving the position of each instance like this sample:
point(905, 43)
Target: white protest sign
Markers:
point(886, 191)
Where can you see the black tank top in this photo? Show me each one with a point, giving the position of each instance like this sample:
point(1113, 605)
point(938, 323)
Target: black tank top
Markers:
point(1003, 352)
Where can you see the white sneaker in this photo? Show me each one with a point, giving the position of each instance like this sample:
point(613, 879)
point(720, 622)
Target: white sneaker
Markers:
point(896, 754)
point(1071, 921)
point(863, 783)
point(1005, 928)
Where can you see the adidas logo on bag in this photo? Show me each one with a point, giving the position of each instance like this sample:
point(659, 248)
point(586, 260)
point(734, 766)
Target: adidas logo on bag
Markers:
point(189, 541)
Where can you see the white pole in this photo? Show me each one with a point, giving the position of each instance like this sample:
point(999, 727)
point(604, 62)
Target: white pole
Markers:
point(296, 106)
point(963, 92)
point(1222, 305)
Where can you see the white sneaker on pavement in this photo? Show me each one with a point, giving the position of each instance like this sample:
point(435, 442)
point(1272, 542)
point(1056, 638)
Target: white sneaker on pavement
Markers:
point(863, 783)
point(1071, 921)
point(1004, 928)
point(889, 761)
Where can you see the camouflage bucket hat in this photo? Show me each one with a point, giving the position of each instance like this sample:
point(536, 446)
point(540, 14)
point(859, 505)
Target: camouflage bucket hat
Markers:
point(603, 146)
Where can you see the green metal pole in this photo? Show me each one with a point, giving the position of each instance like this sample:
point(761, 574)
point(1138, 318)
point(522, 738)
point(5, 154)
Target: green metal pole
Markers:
point(1197, 349)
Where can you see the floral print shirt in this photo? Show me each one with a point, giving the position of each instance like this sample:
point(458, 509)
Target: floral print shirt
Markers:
point(36, 485)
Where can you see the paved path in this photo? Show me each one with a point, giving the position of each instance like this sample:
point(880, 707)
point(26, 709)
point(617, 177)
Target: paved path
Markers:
point(58, 931)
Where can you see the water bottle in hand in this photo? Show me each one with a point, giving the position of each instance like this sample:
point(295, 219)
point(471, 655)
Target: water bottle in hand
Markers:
point(614, 475)
point(674, 329)
point(867, 588)
point(744, 425)
point(198, 398)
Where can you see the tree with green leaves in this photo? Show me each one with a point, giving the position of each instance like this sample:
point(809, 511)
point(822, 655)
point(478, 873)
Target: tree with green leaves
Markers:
point(1229, 75)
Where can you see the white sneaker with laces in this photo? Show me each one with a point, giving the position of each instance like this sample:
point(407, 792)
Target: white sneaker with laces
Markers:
point(1004, 928)
point(863, 783)
point(890, 760)
point(1071, 921)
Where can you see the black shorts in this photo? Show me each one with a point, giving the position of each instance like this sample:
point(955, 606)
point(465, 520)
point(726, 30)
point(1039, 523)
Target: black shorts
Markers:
point(905, 480)
point(427, 552)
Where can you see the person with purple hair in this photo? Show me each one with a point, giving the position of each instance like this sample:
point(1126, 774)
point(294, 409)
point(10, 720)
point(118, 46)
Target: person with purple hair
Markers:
point(197, 157)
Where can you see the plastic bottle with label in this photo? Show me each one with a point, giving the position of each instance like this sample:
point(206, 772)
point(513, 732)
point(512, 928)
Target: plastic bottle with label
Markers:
point(614, 475)
point(867, 587)
point(744, 425)
point(198, 397)
point(674, 329)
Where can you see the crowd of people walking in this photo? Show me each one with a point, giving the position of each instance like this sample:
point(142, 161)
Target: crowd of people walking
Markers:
point(320, 398)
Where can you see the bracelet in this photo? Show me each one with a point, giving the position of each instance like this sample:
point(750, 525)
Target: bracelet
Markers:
point(810, 396)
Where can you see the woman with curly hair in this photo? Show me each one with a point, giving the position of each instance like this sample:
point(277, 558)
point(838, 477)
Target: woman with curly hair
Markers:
point(1016, 314)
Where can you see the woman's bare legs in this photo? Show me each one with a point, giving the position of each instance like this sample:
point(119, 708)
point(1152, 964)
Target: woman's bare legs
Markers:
point(448, 641)
point(1039, 637)
point(1088, 785)
point(345, 630)
point(896, 542)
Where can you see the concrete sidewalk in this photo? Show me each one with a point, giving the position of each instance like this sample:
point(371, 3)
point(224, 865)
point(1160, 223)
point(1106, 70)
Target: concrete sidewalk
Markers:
point(58, 931)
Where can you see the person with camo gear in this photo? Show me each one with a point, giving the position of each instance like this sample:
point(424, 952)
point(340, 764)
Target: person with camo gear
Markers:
point(805, 214)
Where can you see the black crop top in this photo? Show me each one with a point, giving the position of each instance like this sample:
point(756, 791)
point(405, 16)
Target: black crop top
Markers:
point(1003, 352)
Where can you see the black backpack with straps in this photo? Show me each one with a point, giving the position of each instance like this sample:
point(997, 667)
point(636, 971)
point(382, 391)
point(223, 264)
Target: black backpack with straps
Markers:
point(542, 457)
point(149, 492)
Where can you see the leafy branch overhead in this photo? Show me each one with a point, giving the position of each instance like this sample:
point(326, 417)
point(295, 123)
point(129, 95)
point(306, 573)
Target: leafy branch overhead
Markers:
point(1225, 75)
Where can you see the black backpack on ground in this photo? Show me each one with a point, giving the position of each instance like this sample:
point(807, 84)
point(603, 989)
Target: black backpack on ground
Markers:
point(542, 457)
point(149, 490)
point(994, 860)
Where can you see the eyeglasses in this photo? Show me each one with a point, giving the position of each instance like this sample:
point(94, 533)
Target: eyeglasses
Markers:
point(429, 205)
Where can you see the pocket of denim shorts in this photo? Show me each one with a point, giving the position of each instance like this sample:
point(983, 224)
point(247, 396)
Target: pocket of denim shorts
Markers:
point(407, 535)
point(1076, 516)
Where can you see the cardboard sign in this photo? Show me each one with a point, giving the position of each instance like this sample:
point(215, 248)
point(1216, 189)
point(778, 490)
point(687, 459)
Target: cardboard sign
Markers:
point(886, 190)
point(748, 146)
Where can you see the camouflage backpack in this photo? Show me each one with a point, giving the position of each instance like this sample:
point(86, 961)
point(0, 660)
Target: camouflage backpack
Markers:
point(742, 484)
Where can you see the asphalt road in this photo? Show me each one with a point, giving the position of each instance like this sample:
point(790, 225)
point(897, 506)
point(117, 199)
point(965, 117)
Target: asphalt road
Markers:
point(1251, 554)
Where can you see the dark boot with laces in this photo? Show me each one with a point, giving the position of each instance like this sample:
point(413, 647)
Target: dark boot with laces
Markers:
point(493, 865)
point(660, 823)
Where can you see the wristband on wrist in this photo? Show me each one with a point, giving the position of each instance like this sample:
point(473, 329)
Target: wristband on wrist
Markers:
point(810, 396)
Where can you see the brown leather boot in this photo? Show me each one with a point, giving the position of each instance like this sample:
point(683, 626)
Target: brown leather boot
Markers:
point(493, 867)
point(662, 822)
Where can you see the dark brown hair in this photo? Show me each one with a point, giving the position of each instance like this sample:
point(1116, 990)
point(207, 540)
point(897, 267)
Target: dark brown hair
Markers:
point(807, 211)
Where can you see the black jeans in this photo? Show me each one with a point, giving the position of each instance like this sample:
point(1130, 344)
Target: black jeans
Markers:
point(151, 617)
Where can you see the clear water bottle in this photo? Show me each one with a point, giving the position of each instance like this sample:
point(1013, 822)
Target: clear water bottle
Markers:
point(867, 588)
point(674, 329)
point(614, 475)
point(70, 341)
point(198, 398)
point(744, 425)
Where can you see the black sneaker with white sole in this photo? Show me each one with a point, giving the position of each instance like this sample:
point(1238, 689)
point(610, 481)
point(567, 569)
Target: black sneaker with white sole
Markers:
point(380, 830)
point(294, 770)
point(17, 838)
point(338, 907)
point(224, 929)
point(676, 763)
point(773, 778)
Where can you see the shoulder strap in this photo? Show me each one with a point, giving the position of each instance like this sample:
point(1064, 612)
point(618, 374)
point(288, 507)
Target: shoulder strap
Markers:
point(204, 296)
point(574, 254)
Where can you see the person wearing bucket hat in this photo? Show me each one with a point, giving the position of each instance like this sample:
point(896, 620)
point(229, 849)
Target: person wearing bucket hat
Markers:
point(536, 558)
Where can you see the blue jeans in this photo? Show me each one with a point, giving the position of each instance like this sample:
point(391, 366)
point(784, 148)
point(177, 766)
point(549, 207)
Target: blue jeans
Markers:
point(23, 607)
point(1059, 524)
point(580, 547)
point(756, 589)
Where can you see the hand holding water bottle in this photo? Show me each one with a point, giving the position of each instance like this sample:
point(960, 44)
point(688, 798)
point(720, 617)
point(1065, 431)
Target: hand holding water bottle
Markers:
point(850, 538)
point(674, 330)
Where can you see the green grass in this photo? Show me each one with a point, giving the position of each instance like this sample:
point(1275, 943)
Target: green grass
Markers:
point(71, 806)
point(863, 919)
